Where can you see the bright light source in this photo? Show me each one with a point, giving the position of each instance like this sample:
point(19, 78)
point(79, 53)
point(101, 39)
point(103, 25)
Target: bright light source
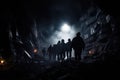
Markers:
point(2, 61)
point(35, 51)
point(65, 28)
point(91, 52)
point(66, 31)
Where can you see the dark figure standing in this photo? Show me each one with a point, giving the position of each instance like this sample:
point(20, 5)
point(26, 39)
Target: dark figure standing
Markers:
point(78, 45)
point(50, 51)
point(69, 48)
point(63, 49)
point(44, 52)
point(54, 52)
point(58, 50)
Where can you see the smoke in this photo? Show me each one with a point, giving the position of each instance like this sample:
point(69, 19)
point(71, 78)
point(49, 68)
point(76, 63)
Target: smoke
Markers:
point(62, 34)
point(47, 34)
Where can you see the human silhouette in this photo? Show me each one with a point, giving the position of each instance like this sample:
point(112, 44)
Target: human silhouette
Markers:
point(69, 48)
point(54, 52)
point(44, 52)
point(63, 49)
point(50, 51)
point(58, 50)
point(78, 45)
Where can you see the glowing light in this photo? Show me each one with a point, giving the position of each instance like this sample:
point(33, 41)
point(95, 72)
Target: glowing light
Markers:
point(2, 61)
point(66, 31)
point(65, 28)
point(91, 52)
point(35, 51)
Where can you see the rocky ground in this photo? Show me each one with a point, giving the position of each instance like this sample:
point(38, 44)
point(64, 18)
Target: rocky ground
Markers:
point(66, 70)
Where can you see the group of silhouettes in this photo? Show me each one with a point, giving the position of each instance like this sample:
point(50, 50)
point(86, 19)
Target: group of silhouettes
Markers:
point(62, 50)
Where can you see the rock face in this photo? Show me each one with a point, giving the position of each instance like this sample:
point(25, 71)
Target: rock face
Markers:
point(100, 33)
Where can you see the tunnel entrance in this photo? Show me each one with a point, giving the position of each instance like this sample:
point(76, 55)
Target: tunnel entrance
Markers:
point(32, 32)
point(31, 28)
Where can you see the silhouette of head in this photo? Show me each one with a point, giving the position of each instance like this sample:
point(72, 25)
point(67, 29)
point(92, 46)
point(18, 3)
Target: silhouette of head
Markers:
point(50, 45)
point(58, 42)
point(69, 40)
point(62, 40)
point(78, 34)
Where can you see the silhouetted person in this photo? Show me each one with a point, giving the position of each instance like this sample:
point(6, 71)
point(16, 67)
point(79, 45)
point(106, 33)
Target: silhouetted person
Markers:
point(58, 50)
point(54, 52)
point(44, 52)
point(69, 48)
point(50, 51)
point(63, 49)
point(78, 45)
